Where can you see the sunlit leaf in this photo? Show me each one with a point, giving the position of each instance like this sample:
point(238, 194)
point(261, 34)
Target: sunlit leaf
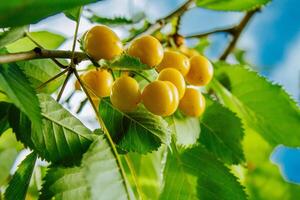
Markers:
point(231, 5)
point(4, 125)
point(126, 62)
point(18, 89)
point(186, 129)
point(98, 177)
point(73, 13)
point(12, 35)
point(222, 133)
point(147, 169)
point(40, 71)
point(62, 139)
point(197, 174)
point(46, 39)
point(19, 183)
point(202, 45)
point(9, 148)
point(263, 179)
point(138, 131)
point(110, 21)
point(262, 106)
point(33, 11)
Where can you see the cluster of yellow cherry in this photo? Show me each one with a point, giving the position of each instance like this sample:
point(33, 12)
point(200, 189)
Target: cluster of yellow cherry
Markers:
point(161, 97)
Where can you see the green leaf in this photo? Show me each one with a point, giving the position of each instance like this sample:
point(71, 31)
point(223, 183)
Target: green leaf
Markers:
point(126, 62)
point(197, 174)
point(19, 183)
point(222, 133)
point(63, 138)
point(262, 106)
point(98, 177)
point(148, 172)
point(110, 21)
point(4, 125)
point(136, 31)
point(46, 39)
point(39, 71)
point(9, 148)
point(202, 45)
point(19, 12)
point(138, 131)
point(73, 13)
point(240, 56)
point(8, 140)
point(232, 5)
point(12, 35)
point(186, 129)
point(7, 157)
point(73, 184)
point(3, 97)
point(21, 126)
point(263, 179)
point(117, 20)
point(16, 86)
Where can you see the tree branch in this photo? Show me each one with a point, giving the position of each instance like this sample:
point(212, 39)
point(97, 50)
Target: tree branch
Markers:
point(64, 84)
point(162, 21)
point(39, 53)
point(237, 33)
point(229, 30)
point(52, 78)
point(37, 44)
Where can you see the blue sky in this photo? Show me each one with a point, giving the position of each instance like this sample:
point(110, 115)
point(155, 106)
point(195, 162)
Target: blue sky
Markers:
point(272, 40)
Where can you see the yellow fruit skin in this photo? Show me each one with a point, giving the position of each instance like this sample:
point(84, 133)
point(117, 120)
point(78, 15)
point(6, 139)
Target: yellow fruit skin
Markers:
point(175, 101)
point(125, 94)
point(193, 103)
point(175, 77)
point(201, 71)
point(148, 49)
point(77, 85)
point(100, 82)
point(176, 60)
point(101, 42)
point(157, 97)
point(188, 52)
point(96, 101)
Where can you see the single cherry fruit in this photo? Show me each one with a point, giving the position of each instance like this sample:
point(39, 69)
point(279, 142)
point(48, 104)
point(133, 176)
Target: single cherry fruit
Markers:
point(193, 103)
point(99, 82)
point(201, 71)
point(175, 102)
point(101, 42)
point(175, 77)
point(125, 94)
point(148, 49)
point(158, 98)
point(176, 60)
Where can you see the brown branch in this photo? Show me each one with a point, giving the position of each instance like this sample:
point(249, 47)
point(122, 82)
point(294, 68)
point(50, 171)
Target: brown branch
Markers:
point(82, 104)
point(237, 33)
point(229, 30)
point(52, 79)
point(39, 53)
point(40, 46)
point(72, 64)
point(64, 85)
point(162, 21)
